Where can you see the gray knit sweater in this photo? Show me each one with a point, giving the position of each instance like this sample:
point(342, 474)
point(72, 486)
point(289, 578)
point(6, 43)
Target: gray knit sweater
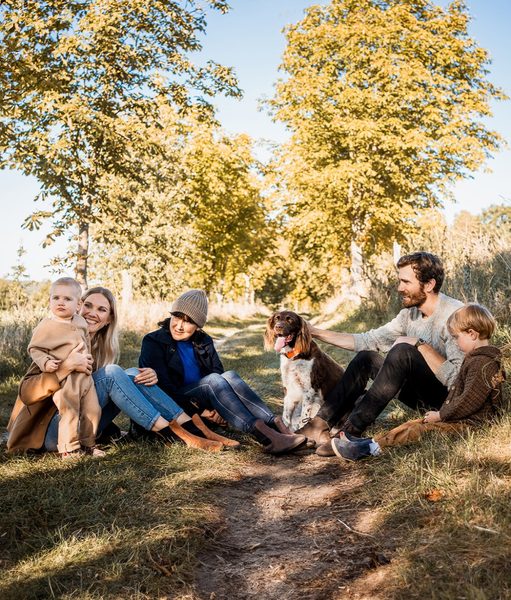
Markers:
point(433, 329)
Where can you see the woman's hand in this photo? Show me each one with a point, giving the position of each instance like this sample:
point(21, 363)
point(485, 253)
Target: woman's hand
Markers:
point(78, 360)
point(213, 416)
point(146, 376)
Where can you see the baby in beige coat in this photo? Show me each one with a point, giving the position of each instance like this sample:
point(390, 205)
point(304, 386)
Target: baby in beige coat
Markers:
point(52, 342)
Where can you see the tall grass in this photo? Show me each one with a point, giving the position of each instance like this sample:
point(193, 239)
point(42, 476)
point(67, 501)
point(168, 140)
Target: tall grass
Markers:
point(15, 332)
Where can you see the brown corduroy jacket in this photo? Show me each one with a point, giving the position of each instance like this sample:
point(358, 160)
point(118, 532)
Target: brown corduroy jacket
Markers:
point(477, 390)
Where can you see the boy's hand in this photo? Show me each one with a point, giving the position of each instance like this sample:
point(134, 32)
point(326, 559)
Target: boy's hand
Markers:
point(51, 365)
point(432, 416)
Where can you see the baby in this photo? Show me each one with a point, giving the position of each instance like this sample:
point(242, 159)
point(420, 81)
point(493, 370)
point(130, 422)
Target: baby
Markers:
point(52, 341)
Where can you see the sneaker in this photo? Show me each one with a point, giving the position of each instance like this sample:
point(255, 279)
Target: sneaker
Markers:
point(348, 450)
point(353, 438)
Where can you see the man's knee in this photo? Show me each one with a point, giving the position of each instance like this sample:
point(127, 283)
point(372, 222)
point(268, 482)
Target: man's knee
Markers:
point(402, 353)
point(365, 361)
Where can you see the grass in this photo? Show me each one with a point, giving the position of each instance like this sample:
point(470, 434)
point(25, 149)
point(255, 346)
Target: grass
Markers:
point(126, 526)
point(130, 525)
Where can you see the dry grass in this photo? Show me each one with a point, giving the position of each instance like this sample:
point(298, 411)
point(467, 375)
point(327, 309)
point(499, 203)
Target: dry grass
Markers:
point(142, 317)
point(445, 509)
point(130, 525)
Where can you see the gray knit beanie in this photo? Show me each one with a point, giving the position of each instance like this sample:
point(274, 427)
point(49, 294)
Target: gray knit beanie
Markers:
point(193, 304)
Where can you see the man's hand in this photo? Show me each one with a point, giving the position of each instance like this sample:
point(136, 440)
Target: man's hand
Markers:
point(405, 339)
point(432, 416)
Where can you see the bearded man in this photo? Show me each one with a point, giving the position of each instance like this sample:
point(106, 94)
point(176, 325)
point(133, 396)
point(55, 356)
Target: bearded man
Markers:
point(420, 366)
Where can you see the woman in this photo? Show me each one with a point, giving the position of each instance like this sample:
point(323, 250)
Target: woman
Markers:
point(34, 420)
point(189, 369)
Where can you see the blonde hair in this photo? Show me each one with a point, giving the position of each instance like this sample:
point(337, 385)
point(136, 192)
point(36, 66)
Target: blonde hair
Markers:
point(472, 316)
point(69, 282)
point(105, 343)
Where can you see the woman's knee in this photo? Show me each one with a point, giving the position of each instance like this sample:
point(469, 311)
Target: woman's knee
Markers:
point(213, 379)
point(231, 376)
point(114, 371)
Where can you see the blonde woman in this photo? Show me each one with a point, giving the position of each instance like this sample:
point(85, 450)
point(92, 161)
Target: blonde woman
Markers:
point(34, 421)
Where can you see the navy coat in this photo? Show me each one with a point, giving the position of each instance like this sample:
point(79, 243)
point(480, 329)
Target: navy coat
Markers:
point(159, 351)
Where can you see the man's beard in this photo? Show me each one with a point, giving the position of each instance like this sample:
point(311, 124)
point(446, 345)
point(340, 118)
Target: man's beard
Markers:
point(417, 299)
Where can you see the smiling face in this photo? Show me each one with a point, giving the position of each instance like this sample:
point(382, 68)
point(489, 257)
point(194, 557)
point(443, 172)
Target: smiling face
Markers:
point(181, 327)
point(64, 301)
point(282, 330)
point(411, 290)
point(96, 311)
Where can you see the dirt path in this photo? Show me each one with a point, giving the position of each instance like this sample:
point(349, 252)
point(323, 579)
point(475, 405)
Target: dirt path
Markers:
point(285, 534)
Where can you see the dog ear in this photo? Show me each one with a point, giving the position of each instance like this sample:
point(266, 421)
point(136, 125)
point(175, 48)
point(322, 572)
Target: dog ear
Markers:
point(303, 339)
point(269, 336)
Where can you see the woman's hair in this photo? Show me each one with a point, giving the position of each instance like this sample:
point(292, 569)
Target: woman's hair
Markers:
point(472, 316)
point(105, 343)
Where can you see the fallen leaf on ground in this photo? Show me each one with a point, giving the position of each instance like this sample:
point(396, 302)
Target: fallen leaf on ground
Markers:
point(434, 495)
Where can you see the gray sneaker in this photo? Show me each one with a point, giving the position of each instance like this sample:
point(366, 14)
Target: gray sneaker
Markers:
point(344, 448)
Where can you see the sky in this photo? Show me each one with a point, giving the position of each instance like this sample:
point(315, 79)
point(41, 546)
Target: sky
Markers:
point(250, 39)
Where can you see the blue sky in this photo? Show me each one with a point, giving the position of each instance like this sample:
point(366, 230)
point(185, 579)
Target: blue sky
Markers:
point(250, 39)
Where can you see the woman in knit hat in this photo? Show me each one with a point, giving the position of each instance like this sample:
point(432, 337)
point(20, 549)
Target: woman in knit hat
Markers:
point(191, 372)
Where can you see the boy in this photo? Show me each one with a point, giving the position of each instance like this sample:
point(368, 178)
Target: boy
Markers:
point(51, 343)
point(470, 401)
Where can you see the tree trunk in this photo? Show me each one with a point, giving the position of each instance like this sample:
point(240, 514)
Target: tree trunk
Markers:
point(358, 287)
point(82, 254)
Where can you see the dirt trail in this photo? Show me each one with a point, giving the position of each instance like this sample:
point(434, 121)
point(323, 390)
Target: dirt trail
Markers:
point(285, 534)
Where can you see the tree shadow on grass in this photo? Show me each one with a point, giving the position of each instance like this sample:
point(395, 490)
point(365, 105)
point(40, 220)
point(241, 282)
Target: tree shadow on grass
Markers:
point(124, 525)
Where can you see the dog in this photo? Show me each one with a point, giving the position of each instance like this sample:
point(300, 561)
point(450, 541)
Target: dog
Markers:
point(308, 374)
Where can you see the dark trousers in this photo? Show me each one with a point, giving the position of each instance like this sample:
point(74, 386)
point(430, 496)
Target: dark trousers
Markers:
point(403, 371)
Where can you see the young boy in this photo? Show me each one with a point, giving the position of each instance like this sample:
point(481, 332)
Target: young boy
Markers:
point(471, 400)
point(51, 343)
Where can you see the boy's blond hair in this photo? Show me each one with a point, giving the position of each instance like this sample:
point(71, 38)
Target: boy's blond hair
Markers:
point(70, 282)
point(472, 316)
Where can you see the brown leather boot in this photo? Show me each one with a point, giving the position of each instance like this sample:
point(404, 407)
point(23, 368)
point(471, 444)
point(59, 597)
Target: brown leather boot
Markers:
point(193, 441)
point(211, 435)
point(280, 443)
point(317, 430)
point(281, 426)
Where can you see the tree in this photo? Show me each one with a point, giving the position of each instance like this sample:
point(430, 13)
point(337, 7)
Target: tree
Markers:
point(384, 100)
point(80, 83)
point(202, 221)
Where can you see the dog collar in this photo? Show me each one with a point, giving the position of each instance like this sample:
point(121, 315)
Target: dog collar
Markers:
point(291, 354)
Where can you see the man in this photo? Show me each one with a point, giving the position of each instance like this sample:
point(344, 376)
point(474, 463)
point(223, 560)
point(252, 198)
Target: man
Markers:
point(422, 358)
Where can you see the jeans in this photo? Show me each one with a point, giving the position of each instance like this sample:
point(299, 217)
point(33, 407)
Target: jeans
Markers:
point(117, 392)
point(403, 371)
point(232, 398)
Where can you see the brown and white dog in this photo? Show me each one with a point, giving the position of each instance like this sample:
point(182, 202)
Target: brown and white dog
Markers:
point(307, 372)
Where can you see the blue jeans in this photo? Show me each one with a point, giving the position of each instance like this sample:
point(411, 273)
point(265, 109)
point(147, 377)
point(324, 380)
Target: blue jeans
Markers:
point(232, 398)
point(117, 392)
